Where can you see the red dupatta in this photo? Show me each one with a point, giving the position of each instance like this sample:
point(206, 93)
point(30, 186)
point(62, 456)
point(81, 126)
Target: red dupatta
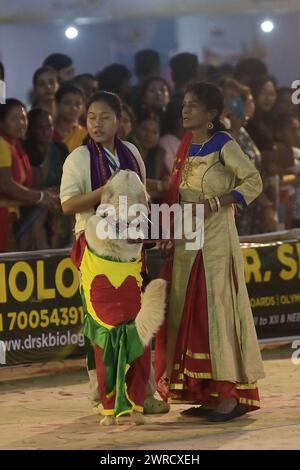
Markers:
point(171, 197)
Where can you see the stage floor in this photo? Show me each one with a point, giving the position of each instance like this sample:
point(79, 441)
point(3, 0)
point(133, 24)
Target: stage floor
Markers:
point(46, 407)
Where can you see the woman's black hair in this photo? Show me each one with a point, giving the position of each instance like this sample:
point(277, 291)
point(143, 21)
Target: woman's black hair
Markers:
point(172, 116)
point(250, 68)
point(34, 116)
point(67, 88)
point(40, 72)
point(150, 80)
point(259, 82)
point(111, 99)
point(112, 77)
point(149, 115)
point(282, 121)
point(128, 110)
point(212, 98)
point(138, 102)
point(58, 61)
point(10, 103)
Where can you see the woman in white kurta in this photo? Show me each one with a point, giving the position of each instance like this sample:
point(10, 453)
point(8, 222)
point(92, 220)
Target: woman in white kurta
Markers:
point(85, 172)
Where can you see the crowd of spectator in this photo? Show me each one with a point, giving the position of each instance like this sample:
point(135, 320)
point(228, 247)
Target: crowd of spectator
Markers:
point(34, 143)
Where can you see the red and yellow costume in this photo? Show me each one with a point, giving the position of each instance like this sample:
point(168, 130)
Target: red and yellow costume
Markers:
point(111, 292)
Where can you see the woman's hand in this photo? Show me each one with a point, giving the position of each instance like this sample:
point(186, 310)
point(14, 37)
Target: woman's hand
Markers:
point(82, 202)
point(269, 223)
point(157, 188)
point(50, 200)
point(166, 248)
point(207, 209)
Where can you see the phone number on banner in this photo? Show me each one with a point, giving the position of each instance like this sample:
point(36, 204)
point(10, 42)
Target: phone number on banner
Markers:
point(43, 318)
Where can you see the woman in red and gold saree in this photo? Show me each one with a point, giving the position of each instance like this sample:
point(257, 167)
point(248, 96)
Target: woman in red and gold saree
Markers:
point(207, 351)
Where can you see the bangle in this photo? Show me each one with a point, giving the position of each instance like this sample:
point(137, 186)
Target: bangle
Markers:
point(42, 194)
point(217, 200)
point(211, 205)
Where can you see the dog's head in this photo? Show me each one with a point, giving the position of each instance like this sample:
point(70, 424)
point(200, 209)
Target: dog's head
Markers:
point(124, 207)
point(124, 183)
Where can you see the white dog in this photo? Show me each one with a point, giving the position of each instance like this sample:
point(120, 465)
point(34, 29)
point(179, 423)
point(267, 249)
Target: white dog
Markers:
point(125, 253)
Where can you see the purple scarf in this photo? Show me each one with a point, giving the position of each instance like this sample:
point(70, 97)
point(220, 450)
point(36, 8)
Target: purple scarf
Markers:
point(100, 170)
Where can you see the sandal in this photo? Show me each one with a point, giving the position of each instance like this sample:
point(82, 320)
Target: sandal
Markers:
point(197, 411)
point(153, 406)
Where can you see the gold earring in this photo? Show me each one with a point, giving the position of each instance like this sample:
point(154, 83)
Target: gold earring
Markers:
point(210, 126)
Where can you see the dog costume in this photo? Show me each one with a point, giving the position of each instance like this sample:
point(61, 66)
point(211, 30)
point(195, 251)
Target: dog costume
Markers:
point(111, 293)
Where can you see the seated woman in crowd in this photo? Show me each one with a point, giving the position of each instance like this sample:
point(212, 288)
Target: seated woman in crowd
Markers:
point(15, 170)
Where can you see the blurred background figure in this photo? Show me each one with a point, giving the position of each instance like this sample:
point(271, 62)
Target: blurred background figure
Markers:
point(2, 72)
point(88, 83)
point(260, 129)
point(47, 158)
point(284, 103)
point(287, 166)
point(70, 103)
point(45, 85)
point(154, 95)
point(2, 84)
point(146, 65)
point(147, 140)
point(116, 78)
point(127, 123)
point(172, 130)
point(184, 69)
point(249, 69)
point(239, 107)
point(63, 65)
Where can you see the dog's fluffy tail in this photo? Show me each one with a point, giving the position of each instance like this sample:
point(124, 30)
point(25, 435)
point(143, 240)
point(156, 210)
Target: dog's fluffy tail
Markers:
point(152, 312)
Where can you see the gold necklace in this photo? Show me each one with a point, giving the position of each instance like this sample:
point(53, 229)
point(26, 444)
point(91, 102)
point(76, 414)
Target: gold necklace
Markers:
point(202, 145)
